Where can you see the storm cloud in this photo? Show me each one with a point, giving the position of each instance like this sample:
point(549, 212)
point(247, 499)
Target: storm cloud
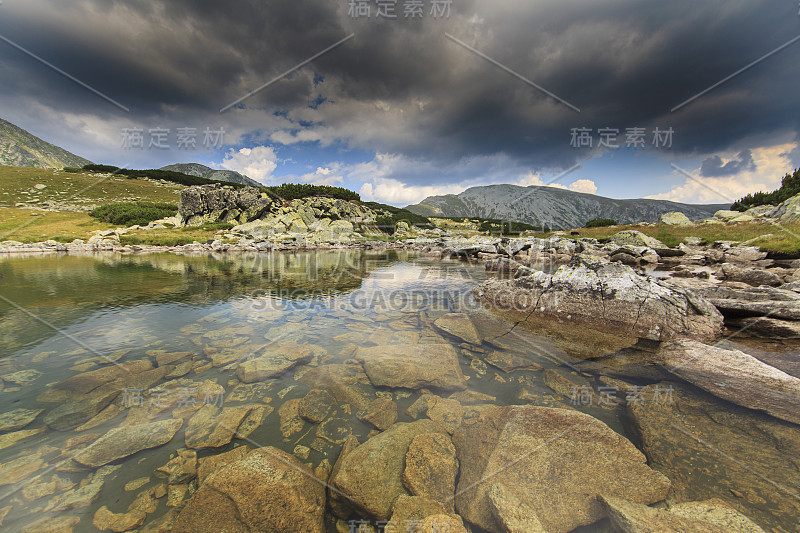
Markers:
point(401, 86)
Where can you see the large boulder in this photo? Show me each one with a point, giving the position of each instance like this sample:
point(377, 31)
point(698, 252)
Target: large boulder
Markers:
point(214, 202)
point(636, 238)
point(788, 212)
point(607, 297)
point(711, 448)
point(553, 461)
point(413, 366)
point(734, 376)
point(675, 218)
point(371, 475)
point(268, 490)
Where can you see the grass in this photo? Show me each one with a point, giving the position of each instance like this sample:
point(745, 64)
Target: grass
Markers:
point(784, 239)
point(81, 189)
point(65, 226)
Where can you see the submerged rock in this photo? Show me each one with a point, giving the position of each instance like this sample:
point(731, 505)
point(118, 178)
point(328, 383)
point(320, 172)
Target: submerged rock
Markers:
point(431, 468)
point(413, 366)
point(459, 325)
point(127, 440)
point(276, 361)
point(734, 376)
point(381, 413)
point(268, 490)
point(117, 522)
point(316, 405)
point(628, 517)
point(371, 475)
point(710, 448)
point(18, 419)
point(539, 452)
point(513, 514)
point(212, 427)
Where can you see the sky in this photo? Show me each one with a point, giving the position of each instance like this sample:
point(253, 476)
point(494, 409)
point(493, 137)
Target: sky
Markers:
point(696, 102)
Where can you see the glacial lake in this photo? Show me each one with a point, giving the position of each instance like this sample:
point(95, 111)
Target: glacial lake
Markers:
point(201, 316)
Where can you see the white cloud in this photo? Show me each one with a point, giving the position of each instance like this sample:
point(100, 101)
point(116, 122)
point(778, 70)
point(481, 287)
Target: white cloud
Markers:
point(257, 163)
point(391, 191)
point(771, 164)
point(533, 178)
point(586, 186)
point(322, 176)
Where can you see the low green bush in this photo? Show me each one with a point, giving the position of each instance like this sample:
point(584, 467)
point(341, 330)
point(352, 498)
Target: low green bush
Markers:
point(295, 191)
point(132, 213)
point(600, 223)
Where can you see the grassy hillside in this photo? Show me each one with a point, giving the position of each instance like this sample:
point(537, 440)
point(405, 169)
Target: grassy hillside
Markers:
point(18, 147)
point(80, 192)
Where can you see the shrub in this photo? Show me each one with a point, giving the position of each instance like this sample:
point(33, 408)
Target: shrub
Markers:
point(600, 223)
point(72, 170)
point(295, 191)
point(132, 213)
point(790, 186)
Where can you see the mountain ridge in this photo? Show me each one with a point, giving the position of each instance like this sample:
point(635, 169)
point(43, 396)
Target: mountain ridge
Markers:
point(202, 171)
point(20, 148)
point(552, 207)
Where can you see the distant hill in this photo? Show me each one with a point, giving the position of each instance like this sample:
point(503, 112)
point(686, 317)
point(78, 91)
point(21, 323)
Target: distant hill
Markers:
point(22, 149)
point(551, 207)
point(202, 171)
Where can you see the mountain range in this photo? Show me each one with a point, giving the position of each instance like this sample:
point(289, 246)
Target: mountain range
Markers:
point(202, 171)
point(552, 207)
point(19, 148)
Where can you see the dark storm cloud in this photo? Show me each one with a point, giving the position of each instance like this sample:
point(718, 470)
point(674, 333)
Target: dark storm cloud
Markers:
point(714, 167)
point(401, 87)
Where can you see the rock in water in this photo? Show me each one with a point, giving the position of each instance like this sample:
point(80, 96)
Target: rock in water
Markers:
point(431, 468)
point(513, 514)
point(212, 427)
point(607, 297)
point(734, 376)
point(554, 461)
point(629, 517)
point(18, 419)
point(117, 522)
point(459, 325)
point(371, 475)
point(710, 448)
point(276, 361)
point(413, 366)
point(127, 440)
point(268, 490)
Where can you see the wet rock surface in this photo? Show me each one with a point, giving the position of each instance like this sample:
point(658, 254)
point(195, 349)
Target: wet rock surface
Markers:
point(371, 475)
point(609, 298)
point(734, 376)
point(696, 436)
point(536, 452)
point(413, 366)
point(268, 490)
